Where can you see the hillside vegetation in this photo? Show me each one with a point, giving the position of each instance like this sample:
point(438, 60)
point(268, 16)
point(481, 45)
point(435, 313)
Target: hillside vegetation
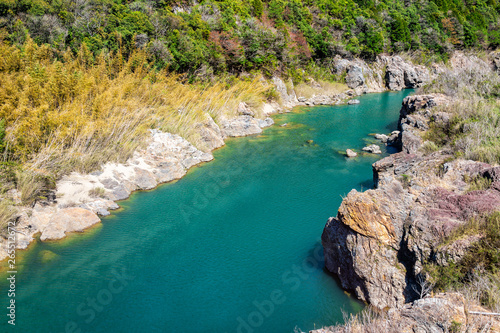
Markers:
point(207, 37)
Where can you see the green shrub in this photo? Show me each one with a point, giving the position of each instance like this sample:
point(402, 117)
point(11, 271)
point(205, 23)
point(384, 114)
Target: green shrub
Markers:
point(97, 192)
point(478, 183)
point(479, 269)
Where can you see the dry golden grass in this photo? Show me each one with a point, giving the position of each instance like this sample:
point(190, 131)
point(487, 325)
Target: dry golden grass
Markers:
point(326, 88)
point(7, 213)
point(474, 130)
point(65, 113)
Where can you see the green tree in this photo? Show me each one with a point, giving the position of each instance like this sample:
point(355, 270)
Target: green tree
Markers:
point(400, 33)
point(470, 37)
point(258, 8)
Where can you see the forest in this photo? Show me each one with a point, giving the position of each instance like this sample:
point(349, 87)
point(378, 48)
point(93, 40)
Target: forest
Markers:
point(213, 37)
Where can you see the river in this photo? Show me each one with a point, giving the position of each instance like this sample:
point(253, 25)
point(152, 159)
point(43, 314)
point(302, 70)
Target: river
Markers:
point(234, 246)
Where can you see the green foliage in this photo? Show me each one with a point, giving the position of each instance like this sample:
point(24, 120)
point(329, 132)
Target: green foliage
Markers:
point(482, 257)
point(400, 33)
point(406, 180)
point(455, 327)
point(478, 183)
point(257, 8)
point(183, 38)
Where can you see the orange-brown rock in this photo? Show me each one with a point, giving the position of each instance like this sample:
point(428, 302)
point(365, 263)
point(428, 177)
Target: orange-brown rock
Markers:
point(361, 212)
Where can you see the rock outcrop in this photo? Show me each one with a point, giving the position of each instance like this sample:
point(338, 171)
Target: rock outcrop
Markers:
point(414, 118)
point(385, 73)
point(288, 98)
point(446, 312)
point(380, 239)
point(350, 153)
point(373, 149)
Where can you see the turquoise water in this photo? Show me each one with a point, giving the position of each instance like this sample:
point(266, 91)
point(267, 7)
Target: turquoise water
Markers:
point(232, 247)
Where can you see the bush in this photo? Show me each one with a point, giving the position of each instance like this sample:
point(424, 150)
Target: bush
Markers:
point(478, 183)
point(97, 192)
point(478, 272)
point(7, 212)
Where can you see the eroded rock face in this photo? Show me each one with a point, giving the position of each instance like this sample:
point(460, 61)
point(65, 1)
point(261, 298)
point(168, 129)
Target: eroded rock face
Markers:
point(414, 118)
point(385, 73)
point(210, 134)
point(380, 239)
point(367, 216)
point(288, 97)
point(355, 77)
point(244, 125)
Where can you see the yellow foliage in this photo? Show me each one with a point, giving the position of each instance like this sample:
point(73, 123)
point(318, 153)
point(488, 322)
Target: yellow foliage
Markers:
point(66, 112)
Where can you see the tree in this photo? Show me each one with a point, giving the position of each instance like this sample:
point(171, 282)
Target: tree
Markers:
point(400, 33)
point(422, 287)
point(258, 8)
point(470, 37)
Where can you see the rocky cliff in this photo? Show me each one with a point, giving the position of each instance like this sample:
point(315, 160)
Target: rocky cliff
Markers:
point(385, 73)
point(380, 239)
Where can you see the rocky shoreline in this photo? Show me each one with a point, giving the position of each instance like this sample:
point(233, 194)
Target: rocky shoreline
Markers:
point(381, 239)
point(80, 199)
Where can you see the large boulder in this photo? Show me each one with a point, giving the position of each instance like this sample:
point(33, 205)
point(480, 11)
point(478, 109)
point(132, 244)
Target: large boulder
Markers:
point(240, 126)
point(355, 77)
point(394, 77)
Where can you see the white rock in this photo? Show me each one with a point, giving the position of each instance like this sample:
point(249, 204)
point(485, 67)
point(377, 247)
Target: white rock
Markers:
point(374, 149)
point(351, 153)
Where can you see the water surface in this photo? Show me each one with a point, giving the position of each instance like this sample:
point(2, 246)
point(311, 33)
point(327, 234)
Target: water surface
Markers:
point(232, 247)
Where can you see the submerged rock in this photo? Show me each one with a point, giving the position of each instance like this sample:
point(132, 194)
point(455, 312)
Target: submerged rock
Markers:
point(374, 149)
point(68, 220)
